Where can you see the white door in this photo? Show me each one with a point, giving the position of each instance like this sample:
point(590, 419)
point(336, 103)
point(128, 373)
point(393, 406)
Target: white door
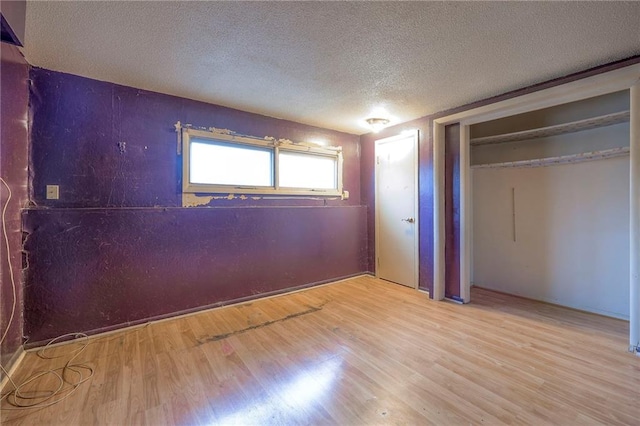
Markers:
point(396, 209)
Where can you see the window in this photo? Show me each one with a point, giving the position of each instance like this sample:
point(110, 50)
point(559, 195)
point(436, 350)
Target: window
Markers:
point(215, 162)
point(220, 163)
point(303, 170)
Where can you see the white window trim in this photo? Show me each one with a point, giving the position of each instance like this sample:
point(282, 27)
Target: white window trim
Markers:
point(186, 133)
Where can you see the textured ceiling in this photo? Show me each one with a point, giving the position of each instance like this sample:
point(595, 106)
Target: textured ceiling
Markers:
point(330, 64)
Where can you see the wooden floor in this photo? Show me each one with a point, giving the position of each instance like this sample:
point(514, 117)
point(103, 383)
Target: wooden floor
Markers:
point(362, 351)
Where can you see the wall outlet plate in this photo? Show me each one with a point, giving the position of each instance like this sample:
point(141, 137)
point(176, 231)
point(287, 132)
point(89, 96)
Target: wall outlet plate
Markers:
point(53, 192)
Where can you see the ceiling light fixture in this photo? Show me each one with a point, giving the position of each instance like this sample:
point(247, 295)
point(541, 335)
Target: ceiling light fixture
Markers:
point(377, 124)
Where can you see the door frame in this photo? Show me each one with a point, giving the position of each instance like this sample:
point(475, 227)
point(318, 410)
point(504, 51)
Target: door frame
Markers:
point(626, 78)
point(414, 134)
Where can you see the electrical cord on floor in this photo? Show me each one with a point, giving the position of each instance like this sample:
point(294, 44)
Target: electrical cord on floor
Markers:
point(6, 241)
point(69, 377)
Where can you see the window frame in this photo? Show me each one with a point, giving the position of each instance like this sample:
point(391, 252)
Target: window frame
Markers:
point(227, 137)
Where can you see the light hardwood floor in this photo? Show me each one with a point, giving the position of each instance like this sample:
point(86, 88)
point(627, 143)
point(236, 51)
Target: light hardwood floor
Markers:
point(362, 351)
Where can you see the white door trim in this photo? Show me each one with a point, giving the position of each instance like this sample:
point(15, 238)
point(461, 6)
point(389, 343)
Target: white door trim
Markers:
point(634, 225)
point(466, 233)
point(439, 236)
point(416, 229)
point(621, 79)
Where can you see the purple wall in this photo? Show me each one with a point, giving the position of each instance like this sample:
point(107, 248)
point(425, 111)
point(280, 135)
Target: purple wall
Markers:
point(117, 248)
point(452, 211)
point(13, 169)
point(78, 124)
point(109, 267)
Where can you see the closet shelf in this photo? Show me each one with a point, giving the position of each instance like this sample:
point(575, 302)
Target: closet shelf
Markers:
point(559, 129)
point(564, 159)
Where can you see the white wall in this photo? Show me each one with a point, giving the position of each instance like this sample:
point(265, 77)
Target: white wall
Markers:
point(559, 114)
point(608, 137)
point(572, 234)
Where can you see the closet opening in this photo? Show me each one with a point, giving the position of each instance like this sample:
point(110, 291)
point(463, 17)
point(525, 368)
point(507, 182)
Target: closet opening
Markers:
point(606, 88)
point(550, 204)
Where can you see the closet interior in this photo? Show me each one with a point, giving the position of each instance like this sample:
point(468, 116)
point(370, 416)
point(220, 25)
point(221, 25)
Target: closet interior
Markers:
point(551, 204)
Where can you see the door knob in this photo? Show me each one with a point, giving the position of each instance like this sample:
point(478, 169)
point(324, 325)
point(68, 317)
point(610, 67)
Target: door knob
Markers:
point(409, 219)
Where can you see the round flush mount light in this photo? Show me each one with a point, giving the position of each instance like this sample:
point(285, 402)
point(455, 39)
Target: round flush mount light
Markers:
point(377, 123)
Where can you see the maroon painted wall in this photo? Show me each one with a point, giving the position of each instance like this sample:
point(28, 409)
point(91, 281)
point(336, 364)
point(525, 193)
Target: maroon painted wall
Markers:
point(13, 169)
point(117, 248)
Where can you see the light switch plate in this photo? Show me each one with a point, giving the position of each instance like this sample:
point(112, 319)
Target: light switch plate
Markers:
point(53, 192)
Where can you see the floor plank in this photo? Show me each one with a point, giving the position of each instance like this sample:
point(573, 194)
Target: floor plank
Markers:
point(361, 351)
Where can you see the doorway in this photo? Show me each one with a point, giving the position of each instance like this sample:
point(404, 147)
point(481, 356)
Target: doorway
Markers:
point(396, 194)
